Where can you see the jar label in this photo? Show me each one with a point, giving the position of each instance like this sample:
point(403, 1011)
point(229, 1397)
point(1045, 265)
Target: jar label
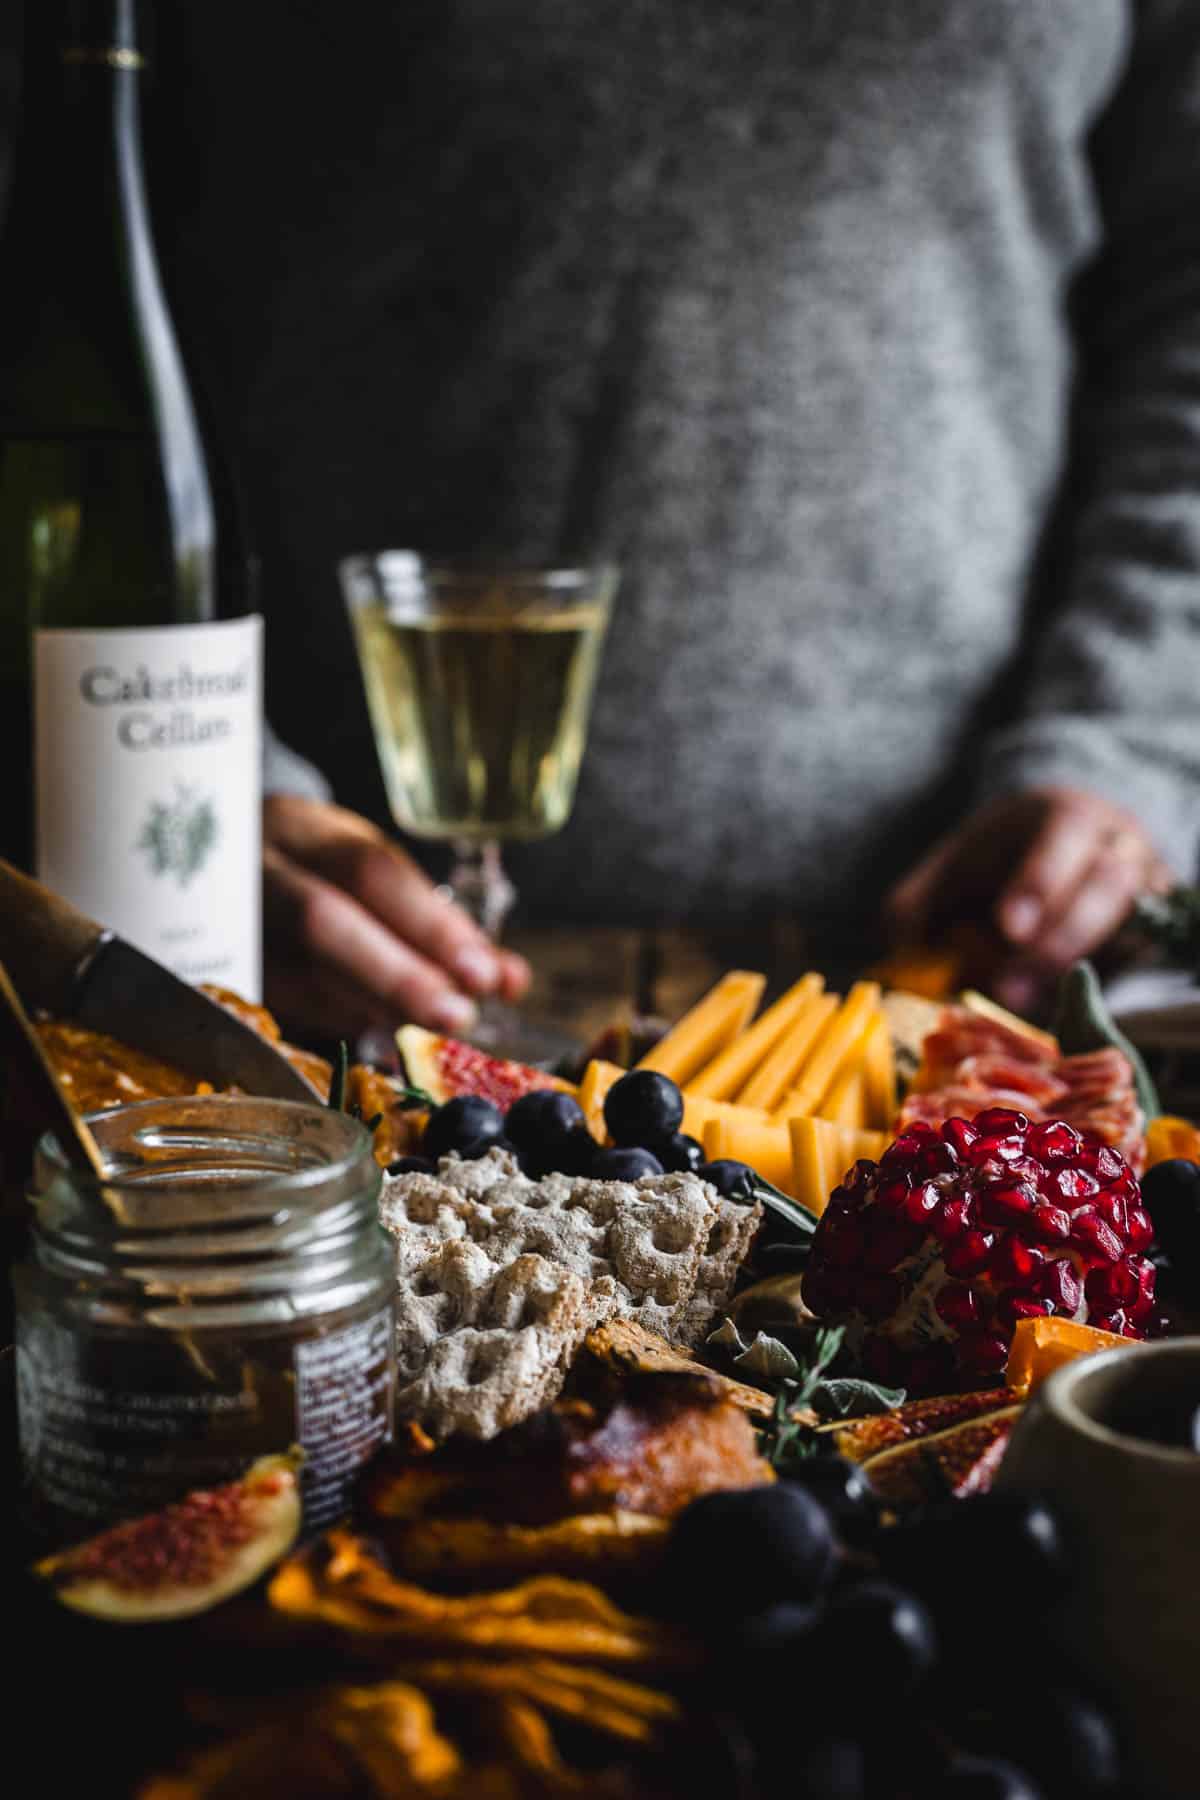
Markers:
point(147, 759)
point(343, 1410)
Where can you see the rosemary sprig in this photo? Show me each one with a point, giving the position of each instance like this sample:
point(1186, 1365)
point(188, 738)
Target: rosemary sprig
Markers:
point(805, 1393)
point(337, 1090)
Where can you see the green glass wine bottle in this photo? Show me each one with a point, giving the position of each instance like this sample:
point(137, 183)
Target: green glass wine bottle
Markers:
point(131, 711)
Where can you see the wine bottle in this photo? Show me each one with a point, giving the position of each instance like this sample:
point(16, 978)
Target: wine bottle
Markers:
point(131, 710)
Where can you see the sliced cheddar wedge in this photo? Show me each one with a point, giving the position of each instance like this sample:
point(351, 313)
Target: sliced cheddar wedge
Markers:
point(846, 1101)
point(708, 1028)
point(725, 1076)
point(597, 1078)
point(699, 1111)
point(767, 1148)
point(879, 1075)
point(776, 1075)
point(839, 1045)
point(822, 1152)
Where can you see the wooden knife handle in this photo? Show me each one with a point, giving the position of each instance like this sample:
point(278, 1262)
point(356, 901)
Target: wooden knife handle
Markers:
point(44, 942)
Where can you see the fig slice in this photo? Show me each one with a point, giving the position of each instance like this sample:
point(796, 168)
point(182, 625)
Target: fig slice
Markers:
point(445, 1067)
point(190, 1556)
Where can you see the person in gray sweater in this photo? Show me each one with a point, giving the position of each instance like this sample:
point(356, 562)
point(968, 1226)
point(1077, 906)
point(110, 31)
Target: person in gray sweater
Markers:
point(864, 334)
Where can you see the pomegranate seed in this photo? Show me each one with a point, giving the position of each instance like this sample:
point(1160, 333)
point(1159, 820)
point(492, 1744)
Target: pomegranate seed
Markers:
point(892, 1194)
point(858, 1176)
point(921, 1129)
point(1101, 1160)
point(994, 1148)
point(1060, 1284)
point(1110, 1286)
point(1054, 1141)
point(888, 1242)
point(1115, 1322)
point(981, 1353)
point(843, 1242)
point(1050, 1223)
point(1139, 1229)
point(958, 1305)
point(1112, 1209)
point(937, 1159)
point(1074, 1184)
point(1012, 1308)
point(922, 1202)
point(1000, 1119)
point(969, 1253)
point(900, 1153)
point(1013, 1261)
point(1009, 1204)
point(1145, 1276)
point(1089, 1229)
point(960, 1134)
point(954, 1218)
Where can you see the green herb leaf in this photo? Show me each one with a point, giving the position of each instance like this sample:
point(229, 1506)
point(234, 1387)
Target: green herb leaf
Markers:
point(337, 1082)
point(768, 1359)
point(411, 1098)
point(804, 1221)
point(847, 1396)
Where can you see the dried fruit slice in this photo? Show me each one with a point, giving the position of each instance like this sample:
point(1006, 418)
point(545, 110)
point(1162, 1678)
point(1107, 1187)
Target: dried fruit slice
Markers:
point(1040, 1346)
point(445, 1067)
point(188, 1557)
point(1168, 1137)
point(951, 1464)
point(861, 1439)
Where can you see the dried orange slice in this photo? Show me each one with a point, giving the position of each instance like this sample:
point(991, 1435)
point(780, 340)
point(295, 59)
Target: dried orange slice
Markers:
point(1040, 1346)
point(1168, 1136)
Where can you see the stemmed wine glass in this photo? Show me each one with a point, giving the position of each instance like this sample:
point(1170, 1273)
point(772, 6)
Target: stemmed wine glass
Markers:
point(479, 677)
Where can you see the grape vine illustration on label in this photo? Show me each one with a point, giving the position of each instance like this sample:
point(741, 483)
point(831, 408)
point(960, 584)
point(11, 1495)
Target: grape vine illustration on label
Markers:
point(147, 755)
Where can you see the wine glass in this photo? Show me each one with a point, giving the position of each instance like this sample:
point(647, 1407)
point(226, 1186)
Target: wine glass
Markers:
point(479, 677)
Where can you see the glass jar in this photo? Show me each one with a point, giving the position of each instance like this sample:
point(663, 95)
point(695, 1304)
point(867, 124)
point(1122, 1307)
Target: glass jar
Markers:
point(224, 1293)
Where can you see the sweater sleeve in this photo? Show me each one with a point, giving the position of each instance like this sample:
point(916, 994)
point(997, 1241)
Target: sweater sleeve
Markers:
point(1112, 696)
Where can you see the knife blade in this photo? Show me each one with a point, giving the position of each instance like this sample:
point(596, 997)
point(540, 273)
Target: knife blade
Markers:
point(74, 968)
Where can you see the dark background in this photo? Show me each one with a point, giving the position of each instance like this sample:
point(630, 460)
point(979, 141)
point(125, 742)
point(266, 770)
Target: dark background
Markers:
point(256, 118)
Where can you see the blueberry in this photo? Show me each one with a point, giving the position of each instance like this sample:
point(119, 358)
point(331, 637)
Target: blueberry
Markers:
point(643, 1107)
point(463, 1120)
point(842, 1488)
point(679, 1154)
point(412, 1165)
point(876, 1639)
point(480, 1146)
point(570, 1154)
point(735, 1180)
point(545, 1117)
point(731, 1554)
point(1067, 1741)
point(985, 1778)
point(623, 1165)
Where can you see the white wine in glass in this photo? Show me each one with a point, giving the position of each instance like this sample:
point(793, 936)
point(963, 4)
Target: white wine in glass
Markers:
point(479, 681)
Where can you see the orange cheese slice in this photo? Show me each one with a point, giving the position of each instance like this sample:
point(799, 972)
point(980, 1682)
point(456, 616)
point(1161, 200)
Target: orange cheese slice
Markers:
point(879, 1075)
point(765, 1146)
point(822, 1152)
point(774, 1077)
point(725, 1076)
point(597, 1078)
point(846, 1101)
point(839, 1045)
point(704, 1032)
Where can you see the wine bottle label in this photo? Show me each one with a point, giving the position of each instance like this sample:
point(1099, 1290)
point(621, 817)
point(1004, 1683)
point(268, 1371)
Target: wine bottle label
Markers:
point(147, 765)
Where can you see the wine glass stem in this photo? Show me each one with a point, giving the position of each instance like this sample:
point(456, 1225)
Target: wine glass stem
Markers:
point(479, 884)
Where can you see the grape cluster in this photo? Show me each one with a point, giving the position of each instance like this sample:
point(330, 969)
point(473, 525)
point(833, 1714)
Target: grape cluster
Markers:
point(1171, 1195)
point(853, 1660)
point(547, 1132)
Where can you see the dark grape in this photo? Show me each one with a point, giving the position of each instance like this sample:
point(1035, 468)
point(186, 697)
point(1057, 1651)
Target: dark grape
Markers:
point(733, 1554)
point(876, 1639)
point(546, 1117)
point(412, 1165)
point(986, 1778)
point(679, 1154)
point(643, 1107)
point(735, 1180)
point(842, 1488)
point(464, 1120)
point(623, 1165)
point(480, 1146)
point(1013, 1542)
point(1171, 1195)
point(1067, 1741)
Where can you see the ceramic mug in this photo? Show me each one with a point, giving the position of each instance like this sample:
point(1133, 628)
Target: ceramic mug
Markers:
point(1132, 1511)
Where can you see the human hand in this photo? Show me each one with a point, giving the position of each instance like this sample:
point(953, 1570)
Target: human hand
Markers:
point(1054, 871)
point(356, 935)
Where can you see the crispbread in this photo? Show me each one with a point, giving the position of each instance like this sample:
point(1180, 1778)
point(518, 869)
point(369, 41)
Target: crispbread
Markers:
point(499, 1278)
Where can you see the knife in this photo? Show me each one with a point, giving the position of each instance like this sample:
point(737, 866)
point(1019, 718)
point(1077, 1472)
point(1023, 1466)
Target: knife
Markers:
point(68, 965)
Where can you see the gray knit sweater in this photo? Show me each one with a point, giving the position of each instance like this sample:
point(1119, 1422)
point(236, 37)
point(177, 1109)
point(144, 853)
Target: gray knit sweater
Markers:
point(864, 333)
